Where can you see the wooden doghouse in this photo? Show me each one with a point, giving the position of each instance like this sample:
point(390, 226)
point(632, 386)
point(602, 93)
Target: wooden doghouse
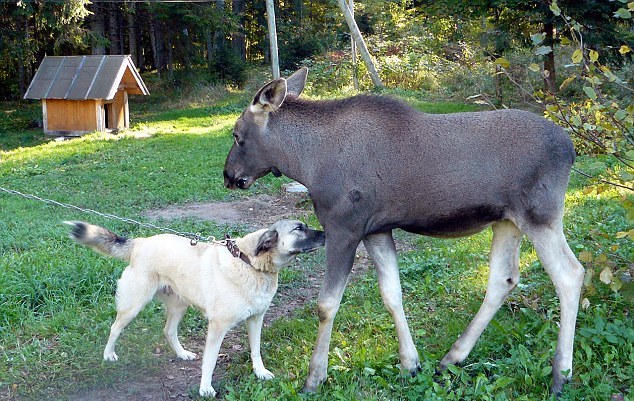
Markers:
point(82, 94)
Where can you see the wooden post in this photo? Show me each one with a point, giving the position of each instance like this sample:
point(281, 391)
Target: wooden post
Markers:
point(353, 50)
point(356, 34)
point(270, 16)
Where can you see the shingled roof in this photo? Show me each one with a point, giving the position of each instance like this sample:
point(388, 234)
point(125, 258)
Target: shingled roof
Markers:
point(85, 77)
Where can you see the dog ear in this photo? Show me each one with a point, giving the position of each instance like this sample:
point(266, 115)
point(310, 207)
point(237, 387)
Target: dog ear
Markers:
point(267, 241)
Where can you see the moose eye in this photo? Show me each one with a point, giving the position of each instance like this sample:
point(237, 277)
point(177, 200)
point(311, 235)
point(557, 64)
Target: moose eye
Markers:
point(237, 140)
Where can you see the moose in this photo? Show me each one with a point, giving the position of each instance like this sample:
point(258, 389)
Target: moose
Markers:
point(373, 164)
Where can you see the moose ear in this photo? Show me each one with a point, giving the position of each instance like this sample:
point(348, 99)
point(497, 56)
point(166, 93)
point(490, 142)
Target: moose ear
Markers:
point(270, 97)
point(266, 242)
point(297, 81)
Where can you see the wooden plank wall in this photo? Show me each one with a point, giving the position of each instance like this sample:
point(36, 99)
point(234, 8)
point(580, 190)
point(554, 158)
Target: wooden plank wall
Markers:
point(71, 115)
point(118, 108)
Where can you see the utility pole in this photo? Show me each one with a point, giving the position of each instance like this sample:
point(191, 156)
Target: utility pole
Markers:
point(270, 16)
point(353, 50)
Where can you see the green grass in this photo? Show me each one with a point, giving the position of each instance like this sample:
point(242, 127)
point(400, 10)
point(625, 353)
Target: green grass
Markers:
point(56, 298)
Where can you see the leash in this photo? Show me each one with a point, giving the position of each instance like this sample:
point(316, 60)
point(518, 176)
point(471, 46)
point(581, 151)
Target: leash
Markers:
point(193, 237)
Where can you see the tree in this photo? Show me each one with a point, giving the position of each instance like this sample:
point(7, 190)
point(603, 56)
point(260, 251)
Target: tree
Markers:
point(363, 49)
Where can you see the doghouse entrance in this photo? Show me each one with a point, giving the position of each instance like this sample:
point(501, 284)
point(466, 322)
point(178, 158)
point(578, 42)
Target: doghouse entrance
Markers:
point(108, 116)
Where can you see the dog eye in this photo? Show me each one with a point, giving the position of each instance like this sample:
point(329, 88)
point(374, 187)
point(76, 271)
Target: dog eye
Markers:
point(237, 141)
point(298, 228)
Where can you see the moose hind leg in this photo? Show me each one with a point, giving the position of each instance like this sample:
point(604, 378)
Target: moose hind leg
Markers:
point(566, 273)
point(503, 277)
point(383, 253)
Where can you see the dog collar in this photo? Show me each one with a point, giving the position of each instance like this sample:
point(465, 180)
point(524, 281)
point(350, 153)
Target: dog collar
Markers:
point(235, 251)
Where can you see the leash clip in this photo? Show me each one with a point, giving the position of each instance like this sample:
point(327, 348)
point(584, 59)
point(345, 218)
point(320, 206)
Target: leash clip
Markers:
point(193, 241)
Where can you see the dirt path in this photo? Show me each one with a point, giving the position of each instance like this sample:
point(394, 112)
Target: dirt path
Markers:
point(177, 379)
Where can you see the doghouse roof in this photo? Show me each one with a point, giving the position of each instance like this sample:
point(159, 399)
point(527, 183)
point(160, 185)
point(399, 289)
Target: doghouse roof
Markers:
point(85, 77)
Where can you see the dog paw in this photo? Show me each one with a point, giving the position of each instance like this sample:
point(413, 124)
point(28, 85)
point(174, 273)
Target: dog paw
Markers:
point(207, 391)
point(264, 374)
point(187, 356)
point(112, 357)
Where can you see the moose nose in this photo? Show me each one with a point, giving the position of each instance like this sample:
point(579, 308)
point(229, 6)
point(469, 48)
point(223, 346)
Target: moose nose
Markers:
point(229, 180)
point(241, 183)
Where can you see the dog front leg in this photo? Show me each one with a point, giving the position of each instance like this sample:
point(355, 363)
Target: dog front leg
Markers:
point(215, 334)
point(254, 329)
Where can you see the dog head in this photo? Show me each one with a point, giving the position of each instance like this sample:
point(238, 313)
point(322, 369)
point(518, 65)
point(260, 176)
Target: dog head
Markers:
point(275, 247)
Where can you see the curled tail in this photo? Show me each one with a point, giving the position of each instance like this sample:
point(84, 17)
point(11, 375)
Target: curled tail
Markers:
point(101, 240)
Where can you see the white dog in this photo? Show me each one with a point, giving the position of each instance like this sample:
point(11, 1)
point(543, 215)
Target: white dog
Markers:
point(228, 284)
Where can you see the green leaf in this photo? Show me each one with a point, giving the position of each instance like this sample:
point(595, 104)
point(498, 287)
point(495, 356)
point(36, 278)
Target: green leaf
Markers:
point(623, 13)
point(594, 56)
point(567, 82)
point(538, 38)
point(587, 277)
point(576, 120)
point(616, 284)
point(502, 62)
point(543, 50)
point(590, 92)
point(546, 370)
point(627, 291)
point(624, 49)
point(585, 303)
point(620, 114)
point(577, 56)
point(630, 6)
point(552, 108)
point(609, 75)
point(534, 67)
point(586, 256)
point(606, 275)
point(597, 166)
point(555, 9)
point(626, 175)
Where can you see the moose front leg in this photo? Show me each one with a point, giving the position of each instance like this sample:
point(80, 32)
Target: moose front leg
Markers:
point(383, 253)
point(339, 258)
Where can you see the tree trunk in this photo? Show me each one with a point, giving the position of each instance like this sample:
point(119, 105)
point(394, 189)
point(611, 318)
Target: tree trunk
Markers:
point(219, 34)
point(238, 41)
point(113, 29)
point(549, 61)
point(97, 26)
point(121, 31)
point(298, 11)
point(356, 34)
point(170, 58)
point(210, 48)
point(22, 73)
point(270, 14)
point(158, 45)
point(132, 36)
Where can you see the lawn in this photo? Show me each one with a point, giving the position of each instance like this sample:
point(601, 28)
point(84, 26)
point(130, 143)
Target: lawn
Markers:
point(57, 299)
